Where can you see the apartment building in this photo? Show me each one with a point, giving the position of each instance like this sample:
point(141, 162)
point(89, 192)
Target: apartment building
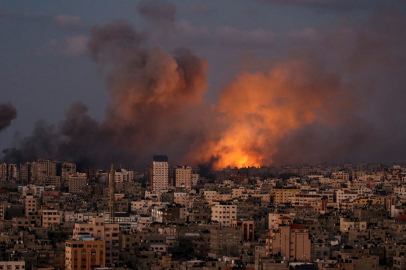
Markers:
point(77, 182)
point(283, 195)
point(98, 229)
point(32, 204)
point(85, 253)
point(160, 174)
point(183, 177)
point(291, 241)
point(224, 213)
point(50, 217)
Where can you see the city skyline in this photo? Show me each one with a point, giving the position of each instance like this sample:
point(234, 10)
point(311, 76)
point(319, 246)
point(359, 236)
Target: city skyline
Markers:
point(237, 83)
point(339, 216)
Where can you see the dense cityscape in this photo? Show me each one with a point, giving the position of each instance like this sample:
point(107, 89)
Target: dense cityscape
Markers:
point(339, 216)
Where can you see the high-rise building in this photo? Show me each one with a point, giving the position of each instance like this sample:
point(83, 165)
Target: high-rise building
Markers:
point(25, 172)
point(183, 177)
point(42, 169)
point(12, 171)
point(3, 171)
point(8, 171)
point(160, 173)
point(112, 200)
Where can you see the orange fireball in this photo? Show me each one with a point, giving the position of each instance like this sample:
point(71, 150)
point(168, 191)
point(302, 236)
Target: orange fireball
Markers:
point(260, 109)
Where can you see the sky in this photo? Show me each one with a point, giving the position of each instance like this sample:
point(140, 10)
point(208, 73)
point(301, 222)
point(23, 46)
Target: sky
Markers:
point(231, 82)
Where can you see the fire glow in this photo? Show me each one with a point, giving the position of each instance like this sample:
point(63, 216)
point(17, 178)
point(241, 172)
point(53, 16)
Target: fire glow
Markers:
point(260, 109)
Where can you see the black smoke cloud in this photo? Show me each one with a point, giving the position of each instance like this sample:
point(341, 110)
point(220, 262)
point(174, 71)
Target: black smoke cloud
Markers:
point(155, 106)
point(7, 113)
point(151, 91)
point(78, 138)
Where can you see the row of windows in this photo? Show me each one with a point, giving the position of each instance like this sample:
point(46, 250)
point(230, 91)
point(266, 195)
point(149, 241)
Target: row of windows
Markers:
point(11, 267)
point(224, 220)
point(50, 213)
point(91, 229)
point(81, 246)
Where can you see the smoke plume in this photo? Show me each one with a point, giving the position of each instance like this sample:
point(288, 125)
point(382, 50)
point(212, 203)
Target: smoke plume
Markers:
point(332, 100)
point(152, 92)
point(78, 138)
point(259, 109)
point(335, 97)
point(7, 113)
point(155, 105)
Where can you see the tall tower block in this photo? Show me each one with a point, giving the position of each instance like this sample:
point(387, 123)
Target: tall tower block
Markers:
point(160, 173)
point(112, 200)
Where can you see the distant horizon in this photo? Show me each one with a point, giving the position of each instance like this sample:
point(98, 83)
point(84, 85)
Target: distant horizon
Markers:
point(132, 167)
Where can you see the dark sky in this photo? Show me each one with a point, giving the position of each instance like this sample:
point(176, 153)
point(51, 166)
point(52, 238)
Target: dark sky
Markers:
point(288, 81)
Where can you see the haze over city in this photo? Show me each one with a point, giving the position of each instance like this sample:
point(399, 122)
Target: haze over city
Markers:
point(240, 83)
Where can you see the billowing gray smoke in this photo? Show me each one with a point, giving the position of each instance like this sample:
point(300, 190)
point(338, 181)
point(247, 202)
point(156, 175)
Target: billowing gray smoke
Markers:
point(370, 58)
point(154, 95)
point(7, 113)
point(79, 138)
point(154, 107)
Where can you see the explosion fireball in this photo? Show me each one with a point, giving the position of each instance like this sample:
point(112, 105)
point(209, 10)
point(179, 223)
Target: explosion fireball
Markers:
point(259, 109)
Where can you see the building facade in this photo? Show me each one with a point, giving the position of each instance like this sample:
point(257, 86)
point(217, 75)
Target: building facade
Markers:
point(86, 253)
point(160, 173)
point(98, 229)
point(224, 214)
point(290, 241)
